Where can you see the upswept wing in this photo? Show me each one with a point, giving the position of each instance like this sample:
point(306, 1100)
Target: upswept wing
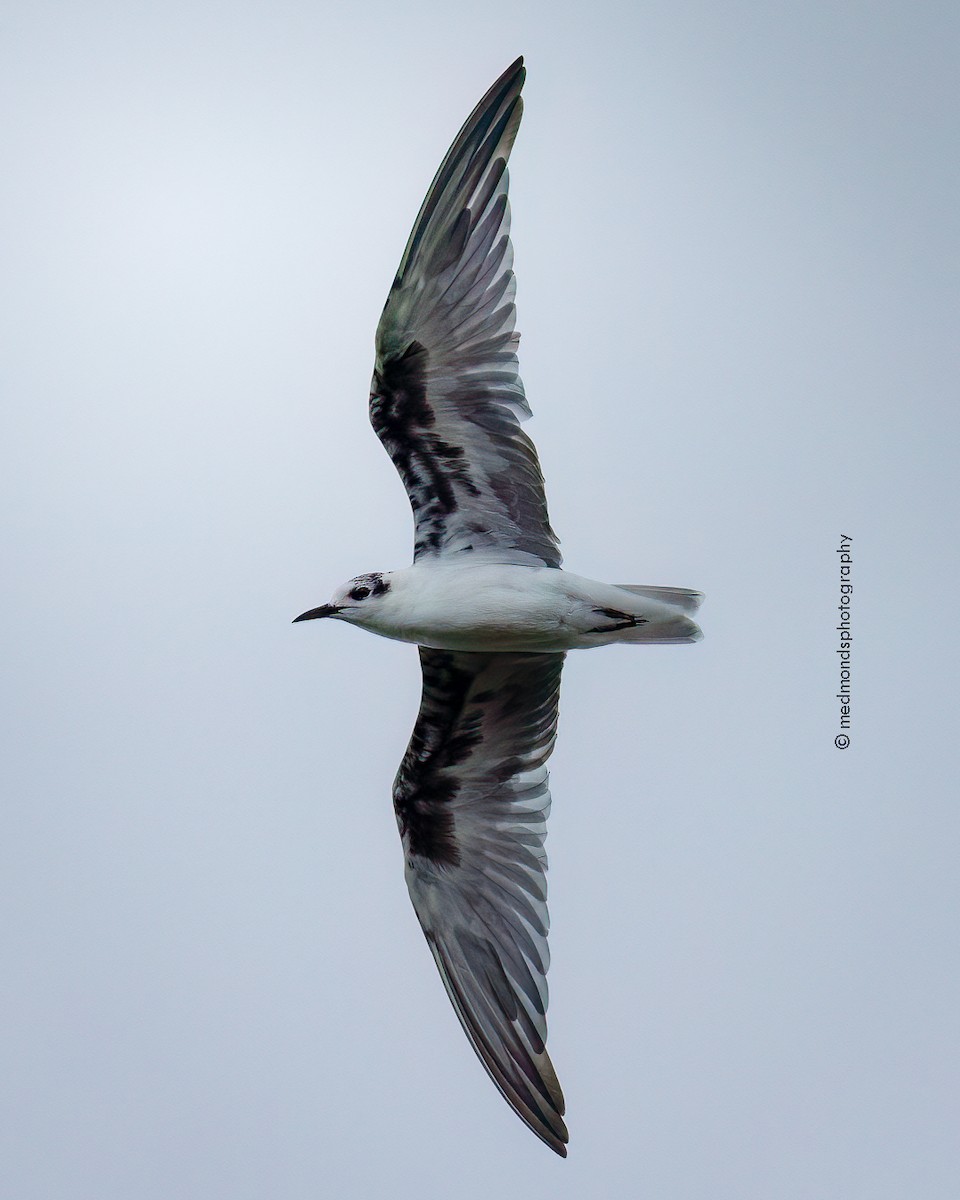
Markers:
point(446, 398)
point(471, 799)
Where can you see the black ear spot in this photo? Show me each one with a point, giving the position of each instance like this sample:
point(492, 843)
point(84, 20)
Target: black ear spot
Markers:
point(368, 585)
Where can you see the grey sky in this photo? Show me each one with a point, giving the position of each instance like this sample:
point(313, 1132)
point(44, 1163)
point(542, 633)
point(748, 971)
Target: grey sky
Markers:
point(736, 250)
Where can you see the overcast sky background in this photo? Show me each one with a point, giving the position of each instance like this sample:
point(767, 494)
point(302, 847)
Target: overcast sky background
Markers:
point(737, 250)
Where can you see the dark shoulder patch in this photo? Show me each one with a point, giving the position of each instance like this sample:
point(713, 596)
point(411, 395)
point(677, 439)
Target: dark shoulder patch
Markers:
point(433, 468)
point(426, 783)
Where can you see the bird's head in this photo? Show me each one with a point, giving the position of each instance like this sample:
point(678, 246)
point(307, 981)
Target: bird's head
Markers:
point(359, 600)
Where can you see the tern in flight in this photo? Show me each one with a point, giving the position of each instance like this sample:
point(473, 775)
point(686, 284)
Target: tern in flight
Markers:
point(488, 605)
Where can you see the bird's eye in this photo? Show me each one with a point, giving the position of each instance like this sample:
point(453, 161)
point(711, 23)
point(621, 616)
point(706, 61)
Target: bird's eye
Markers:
point(359, 593)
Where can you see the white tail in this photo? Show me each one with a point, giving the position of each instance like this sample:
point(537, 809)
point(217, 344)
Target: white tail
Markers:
point(682, 598)
point(658, 633)
point(665, 616)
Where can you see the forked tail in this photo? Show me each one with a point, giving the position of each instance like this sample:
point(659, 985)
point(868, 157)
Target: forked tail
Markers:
point(663, 619)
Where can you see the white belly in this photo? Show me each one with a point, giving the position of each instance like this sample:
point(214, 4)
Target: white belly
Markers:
point(486, 608)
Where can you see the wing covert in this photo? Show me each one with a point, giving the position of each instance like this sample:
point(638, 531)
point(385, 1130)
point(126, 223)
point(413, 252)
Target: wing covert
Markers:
point(446, 398)
point(471, 798)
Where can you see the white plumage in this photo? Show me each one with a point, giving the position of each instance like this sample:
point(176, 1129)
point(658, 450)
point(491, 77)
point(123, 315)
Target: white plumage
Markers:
point(466, 604)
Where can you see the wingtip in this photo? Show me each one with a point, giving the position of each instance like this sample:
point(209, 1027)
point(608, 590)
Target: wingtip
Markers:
point(517, 71)
point(557, 1138)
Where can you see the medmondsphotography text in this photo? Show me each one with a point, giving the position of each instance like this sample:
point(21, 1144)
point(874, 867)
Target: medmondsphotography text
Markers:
point(842, 740)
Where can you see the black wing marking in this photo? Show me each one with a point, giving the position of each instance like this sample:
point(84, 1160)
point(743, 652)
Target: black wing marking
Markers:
point(446, 398)
point(471, 799)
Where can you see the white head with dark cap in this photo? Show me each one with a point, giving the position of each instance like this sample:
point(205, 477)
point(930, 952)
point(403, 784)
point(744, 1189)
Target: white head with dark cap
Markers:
point(359, 600)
